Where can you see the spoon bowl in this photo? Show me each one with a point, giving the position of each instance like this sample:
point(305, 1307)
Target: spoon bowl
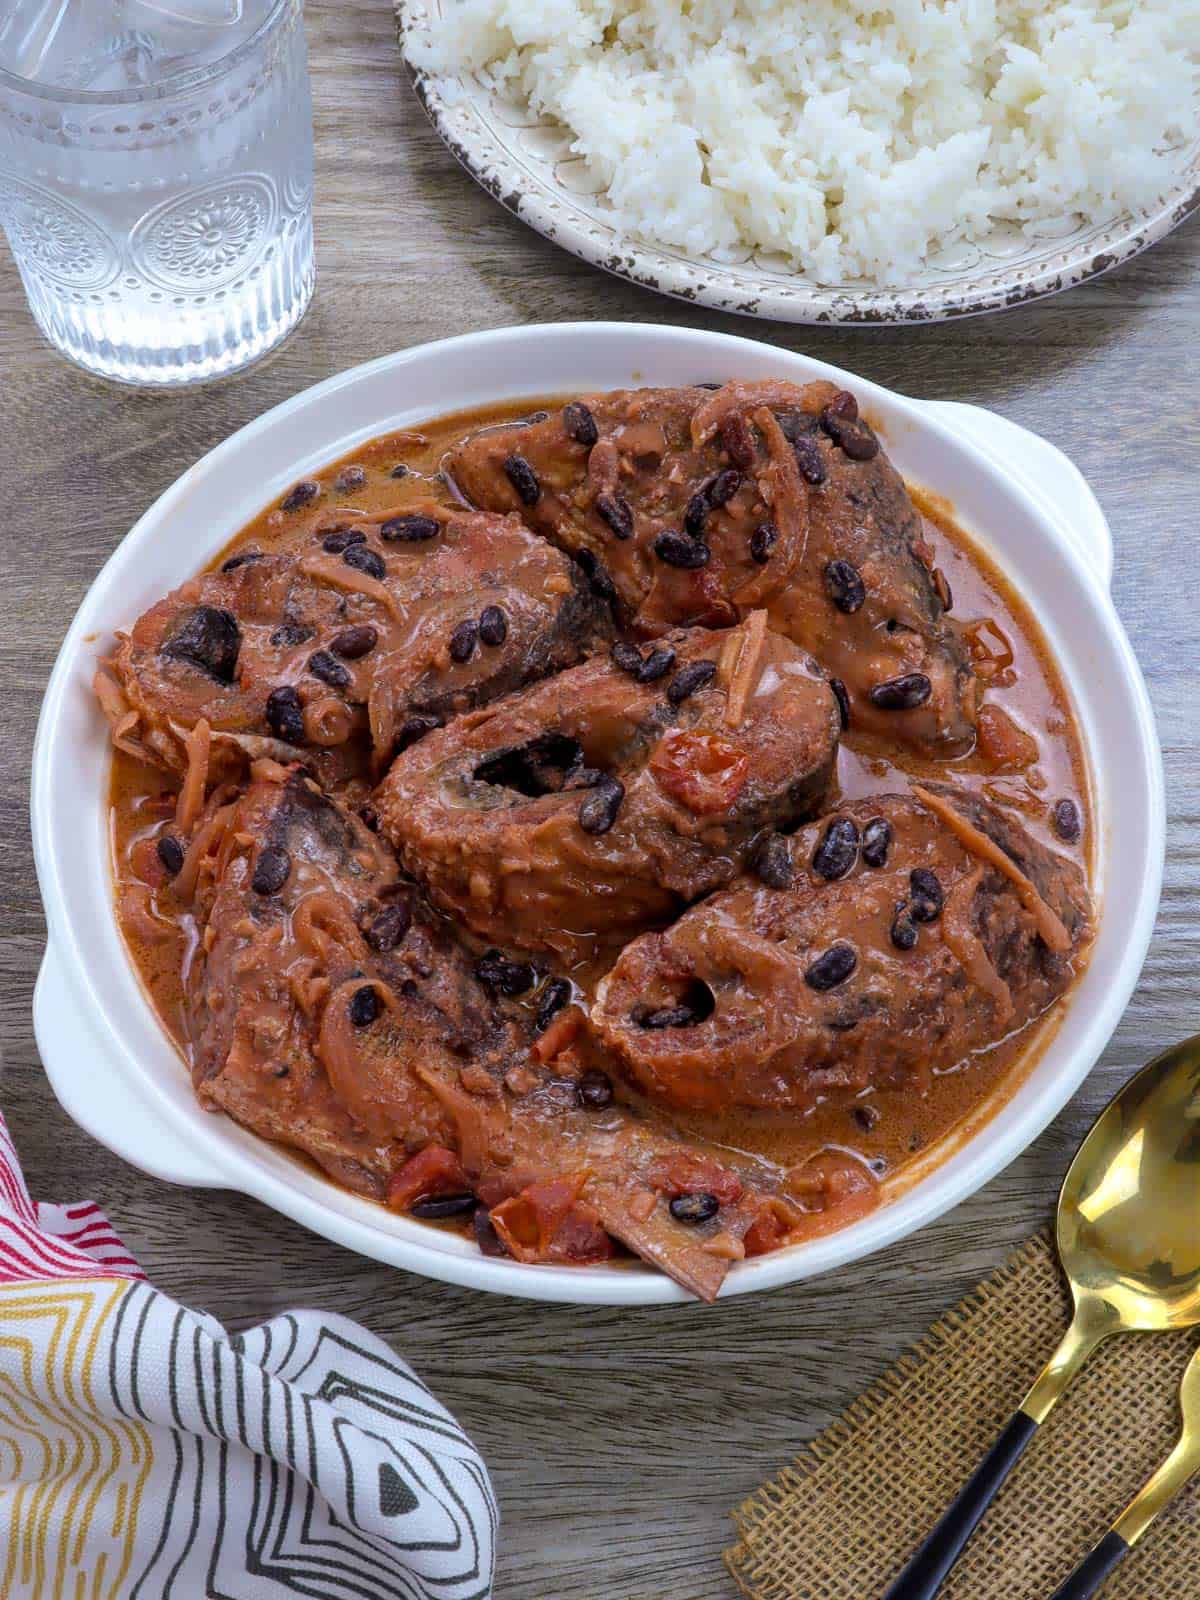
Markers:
point(1129, 1212)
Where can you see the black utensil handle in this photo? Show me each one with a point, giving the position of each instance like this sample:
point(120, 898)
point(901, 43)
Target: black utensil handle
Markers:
point(1088, 1577)
point(922, 1577)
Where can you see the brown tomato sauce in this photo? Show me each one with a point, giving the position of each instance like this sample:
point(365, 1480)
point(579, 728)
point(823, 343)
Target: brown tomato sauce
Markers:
point(1028, 758)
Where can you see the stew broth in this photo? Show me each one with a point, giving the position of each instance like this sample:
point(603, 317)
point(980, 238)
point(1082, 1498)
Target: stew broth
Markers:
point(1028, 759)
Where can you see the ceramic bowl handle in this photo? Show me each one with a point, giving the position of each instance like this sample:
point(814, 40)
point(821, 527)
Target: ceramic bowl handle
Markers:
point(111, 1110)
point(1044, 472)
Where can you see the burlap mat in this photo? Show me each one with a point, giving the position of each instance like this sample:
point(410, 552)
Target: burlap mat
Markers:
point(841, 1521)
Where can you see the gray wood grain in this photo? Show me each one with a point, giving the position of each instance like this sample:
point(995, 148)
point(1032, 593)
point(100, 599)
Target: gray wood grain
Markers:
point(618, 1440)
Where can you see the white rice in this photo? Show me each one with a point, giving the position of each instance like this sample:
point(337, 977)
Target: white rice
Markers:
point(855, 140)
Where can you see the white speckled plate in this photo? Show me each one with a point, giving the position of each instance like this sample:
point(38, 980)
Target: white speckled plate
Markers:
point(526, 163)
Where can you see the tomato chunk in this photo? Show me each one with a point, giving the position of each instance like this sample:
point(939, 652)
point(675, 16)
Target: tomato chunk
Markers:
point(831, 1190)
point(700, 770)
point(771, 1228)
point(546, 1222)
point(689, 1172)
point(1003, 742)
point(827, 1180)
point(434, 1170)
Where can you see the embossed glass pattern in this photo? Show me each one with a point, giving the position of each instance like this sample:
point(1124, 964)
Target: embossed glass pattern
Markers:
point(162, 226)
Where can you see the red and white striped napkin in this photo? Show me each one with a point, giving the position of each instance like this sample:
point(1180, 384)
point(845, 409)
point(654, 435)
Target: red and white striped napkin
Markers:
point(146, 1455)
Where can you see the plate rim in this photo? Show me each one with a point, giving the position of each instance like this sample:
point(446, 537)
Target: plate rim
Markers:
point(652, 267)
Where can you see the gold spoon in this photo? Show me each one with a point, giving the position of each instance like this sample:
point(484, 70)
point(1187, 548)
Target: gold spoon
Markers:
point(1129, 1241)
point(1158, 1490)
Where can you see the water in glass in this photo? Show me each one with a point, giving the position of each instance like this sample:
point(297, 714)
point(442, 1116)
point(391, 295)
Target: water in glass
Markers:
point(156, 178)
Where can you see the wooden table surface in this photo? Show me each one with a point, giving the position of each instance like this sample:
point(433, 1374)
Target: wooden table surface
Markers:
point(618, 1440)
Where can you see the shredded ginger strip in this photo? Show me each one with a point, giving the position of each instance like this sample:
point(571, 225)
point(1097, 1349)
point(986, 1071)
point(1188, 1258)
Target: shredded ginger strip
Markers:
point(747, 668)
point(789, 505)
point(735, 397)
point(969, 949)
point(330, 571)
point(1049, 925)
point(197, 747)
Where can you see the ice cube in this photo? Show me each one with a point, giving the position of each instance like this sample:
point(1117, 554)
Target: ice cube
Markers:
point(119, 44)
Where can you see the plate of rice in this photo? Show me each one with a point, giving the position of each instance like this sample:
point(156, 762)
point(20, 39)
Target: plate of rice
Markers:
point(825, 160)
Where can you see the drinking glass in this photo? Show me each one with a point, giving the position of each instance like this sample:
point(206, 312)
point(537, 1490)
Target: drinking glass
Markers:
point(156, 179)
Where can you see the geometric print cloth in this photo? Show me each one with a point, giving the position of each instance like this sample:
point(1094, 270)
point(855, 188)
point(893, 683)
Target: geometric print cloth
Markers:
point(147, 1455)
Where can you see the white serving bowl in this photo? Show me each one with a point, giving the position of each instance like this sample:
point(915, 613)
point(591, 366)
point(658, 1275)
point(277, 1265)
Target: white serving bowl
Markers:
point(119, 1076)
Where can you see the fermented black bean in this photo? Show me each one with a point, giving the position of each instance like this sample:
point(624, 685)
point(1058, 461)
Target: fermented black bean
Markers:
point(842, 408)
point(738, 439)
point(762, 542)
point(554, 997)
point(689, 680)
point(627, 657)
point(599, 581)
point(580, 424)
point(271, 869)
point(598, 811)
point(695, 515)
point(617, 513)
point(834, 967)
point(356, 641)
point(844, 585)
point(877, 842)
point(390, 927)
point(1066, 821)
point(289, 634)
point(837, 851)
point(656, 665)
point(905, 693)
point(595, 1089)
point(301, 494)
point(773, 862)
point(724, 486)
point(244, 558)
point(363, 559)
point(285, 714)
point(338, 540)
point(927, 894)
point(495, 971)
point(809, 460)
point(437, 1207)
point(843, 701)
point(849, 432)
point(795, 424)
point(170, 853)
point(462, 640)
point(410, 529)
point(677, 550)
point(364, 1006)
point(694, 1208)
point(523, 479)
point(326, 666)
point(493, 626)
point(667, 1017)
